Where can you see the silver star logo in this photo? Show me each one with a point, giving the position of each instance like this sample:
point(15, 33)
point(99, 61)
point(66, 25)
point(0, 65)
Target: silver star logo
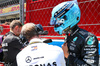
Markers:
point(28, 59)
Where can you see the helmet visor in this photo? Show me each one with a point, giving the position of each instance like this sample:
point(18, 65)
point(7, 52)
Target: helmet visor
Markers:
point(56, 21)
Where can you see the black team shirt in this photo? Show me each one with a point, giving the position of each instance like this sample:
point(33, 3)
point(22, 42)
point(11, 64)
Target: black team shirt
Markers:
point(11, 47)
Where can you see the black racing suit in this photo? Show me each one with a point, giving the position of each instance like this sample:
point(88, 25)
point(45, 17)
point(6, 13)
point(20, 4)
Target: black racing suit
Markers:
point(83, 48)
point(11, 47)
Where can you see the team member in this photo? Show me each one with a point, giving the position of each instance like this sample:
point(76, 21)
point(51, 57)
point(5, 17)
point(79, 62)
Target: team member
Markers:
point(11, 44)
point(38, 53)
point(81, 46)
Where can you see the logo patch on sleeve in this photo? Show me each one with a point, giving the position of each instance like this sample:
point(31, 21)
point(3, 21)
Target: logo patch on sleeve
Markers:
point(90, 41)
point(75, 39)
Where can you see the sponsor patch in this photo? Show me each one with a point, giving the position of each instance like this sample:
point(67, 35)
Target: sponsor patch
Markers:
point(75, 39)
point(90, 41)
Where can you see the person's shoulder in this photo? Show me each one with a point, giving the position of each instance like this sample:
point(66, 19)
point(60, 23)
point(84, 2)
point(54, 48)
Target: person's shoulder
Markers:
point(52, 47)
point(11, 39)
point(85, 33)
point(24, 51)
point(7, 39)
point(88, 36)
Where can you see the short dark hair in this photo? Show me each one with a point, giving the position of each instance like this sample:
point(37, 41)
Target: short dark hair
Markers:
point(15, 23)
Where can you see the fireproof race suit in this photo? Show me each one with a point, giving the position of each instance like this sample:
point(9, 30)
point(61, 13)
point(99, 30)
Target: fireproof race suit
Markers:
point(83, 48)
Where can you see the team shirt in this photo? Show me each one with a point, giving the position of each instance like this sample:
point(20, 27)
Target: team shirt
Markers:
point(38, 53)
point(11, 47)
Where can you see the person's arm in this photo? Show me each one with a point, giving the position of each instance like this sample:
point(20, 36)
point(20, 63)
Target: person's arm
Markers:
point(65, 50)
point(89, 52)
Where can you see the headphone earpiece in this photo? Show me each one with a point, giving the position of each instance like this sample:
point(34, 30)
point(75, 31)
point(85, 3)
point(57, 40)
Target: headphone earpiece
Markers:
point(39, 30)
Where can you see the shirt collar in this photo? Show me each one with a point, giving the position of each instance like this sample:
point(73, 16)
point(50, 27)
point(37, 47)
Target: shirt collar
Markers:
point(35, 40)
point(74, 30)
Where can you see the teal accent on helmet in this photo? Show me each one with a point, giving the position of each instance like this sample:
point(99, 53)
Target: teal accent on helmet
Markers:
point(64, 16)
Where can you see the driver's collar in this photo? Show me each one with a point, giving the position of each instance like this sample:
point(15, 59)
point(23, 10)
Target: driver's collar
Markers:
point(74, 30)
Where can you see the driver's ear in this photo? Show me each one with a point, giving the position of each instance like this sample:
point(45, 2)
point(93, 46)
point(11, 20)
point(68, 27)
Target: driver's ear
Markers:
point(16, 27)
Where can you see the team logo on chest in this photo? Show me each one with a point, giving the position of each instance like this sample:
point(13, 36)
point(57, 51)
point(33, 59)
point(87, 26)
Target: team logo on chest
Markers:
point(28, 59)
point(72, 44)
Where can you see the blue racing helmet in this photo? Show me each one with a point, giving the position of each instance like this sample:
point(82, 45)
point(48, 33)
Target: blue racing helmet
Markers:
point(65, 16)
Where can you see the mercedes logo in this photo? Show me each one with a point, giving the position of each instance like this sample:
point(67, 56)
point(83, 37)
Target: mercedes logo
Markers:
point(28, 59)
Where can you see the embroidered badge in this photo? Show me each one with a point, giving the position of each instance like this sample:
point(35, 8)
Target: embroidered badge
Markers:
point(90, 41)
point(75, 39)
